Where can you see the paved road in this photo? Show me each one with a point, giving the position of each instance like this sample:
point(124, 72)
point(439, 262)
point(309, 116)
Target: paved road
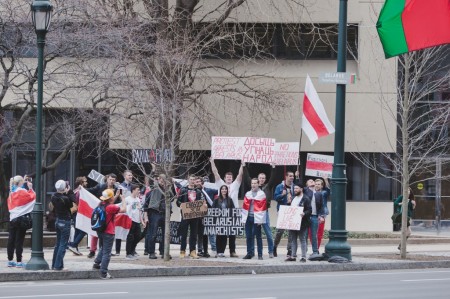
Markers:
point(362, 284)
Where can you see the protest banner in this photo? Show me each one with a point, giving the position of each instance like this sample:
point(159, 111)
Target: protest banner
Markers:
point(319, 165)
point(289, 217)
point(223, 222)
point(175, 234)
point(194, 209)
point(227, 148)
point(152, 155)
point(286, 153)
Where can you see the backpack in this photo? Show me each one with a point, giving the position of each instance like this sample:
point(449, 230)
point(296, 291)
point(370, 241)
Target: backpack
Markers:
point(98, 219)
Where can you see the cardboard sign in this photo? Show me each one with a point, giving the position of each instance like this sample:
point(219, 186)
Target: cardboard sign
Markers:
point(194, 209)
point(319, 165)
point(227, 148)
point(286, 153)
point(223, 222)
point(289, 217)
point(96, 176)
point(247, 149)
point(175, 234)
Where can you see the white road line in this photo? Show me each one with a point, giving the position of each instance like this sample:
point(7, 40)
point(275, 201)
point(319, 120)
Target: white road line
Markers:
point(58, 295)
point(419, 280)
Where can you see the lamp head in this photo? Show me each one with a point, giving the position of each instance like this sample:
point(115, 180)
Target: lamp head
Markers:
point(41, 13)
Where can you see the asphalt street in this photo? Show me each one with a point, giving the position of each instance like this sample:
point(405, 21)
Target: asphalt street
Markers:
point(362, 284)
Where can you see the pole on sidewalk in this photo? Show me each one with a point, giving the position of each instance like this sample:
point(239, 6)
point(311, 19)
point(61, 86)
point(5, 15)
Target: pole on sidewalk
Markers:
point(337, 244)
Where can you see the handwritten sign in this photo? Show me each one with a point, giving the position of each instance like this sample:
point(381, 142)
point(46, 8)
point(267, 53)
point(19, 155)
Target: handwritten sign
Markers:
point(227, 148)
point(247, 149)
point(175, 234)
point(96, 176)
point(152, 155)
point(194, 209)
point(319, 165)
point(289, 217)
point(286, 153)
point(223, 222)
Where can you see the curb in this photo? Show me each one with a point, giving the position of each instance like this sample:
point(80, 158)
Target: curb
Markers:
point(227, 270)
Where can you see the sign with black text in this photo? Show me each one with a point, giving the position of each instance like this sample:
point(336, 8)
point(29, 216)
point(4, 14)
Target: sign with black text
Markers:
point(194, 209)
point(223, 222)
point(175, 234)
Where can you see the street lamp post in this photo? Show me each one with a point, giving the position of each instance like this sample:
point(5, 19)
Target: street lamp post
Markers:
point(41, 12)
point(338, 234)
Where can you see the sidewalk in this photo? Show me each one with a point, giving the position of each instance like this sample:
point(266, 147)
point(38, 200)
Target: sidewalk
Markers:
point(364, 257)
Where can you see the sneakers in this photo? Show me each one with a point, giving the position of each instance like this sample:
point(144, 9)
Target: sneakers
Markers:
point(115, 254)
point(205, 254)
point(220, 255)
point(247, 257)
point(106, 276)
point(302, 260)
point(182, 254)
point(74, 250)
point(11, 264)
point(193, 255)
point(136, 254)
point(152, 256)
point(290, 259)
point(20, 265)
point(96, 266)
point(145, 253)
point(130, 257)
point(233, 254)
point(260, 257)
point(271, 255)
point(200, 254)
point(91, 254)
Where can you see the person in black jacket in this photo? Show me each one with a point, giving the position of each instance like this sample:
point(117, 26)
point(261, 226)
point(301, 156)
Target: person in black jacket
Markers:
point(317, 213)
point(224, 201)
point(300, 200)
point(62, 202)
point(202, 241)
point(189, 194)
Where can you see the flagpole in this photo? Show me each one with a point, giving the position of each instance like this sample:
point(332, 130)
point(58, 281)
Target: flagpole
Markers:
point(299, 150)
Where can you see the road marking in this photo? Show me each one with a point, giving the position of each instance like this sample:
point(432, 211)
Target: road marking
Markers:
point(58, 295)
point(430, 279)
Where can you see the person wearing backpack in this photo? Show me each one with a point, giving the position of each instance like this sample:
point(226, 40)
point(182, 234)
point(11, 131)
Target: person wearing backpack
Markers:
point(106, 230)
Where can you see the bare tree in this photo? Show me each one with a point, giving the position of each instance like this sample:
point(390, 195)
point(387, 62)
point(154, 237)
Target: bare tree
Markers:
point(423, 121)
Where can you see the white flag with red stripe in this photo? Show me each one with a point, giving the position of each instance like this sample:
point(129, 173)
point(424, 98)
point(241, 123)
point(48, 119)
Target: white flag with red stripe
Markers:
point(21, 202)
point(259, 206)
point(87, 203)
point(315, 122)
point(123, 225)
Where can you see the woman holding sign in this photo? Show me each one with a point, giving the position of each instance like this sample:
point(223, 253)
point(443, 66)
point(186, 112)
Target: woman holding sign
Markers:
point(223, 201)
point(300, 200)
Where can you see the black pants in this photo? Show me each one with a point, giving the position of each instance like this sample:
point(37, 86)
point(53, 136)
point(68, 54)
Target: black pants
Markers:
point(133, 237)
point(192, 224)
point(221, 243)
point(202, 240)
point(15, 242)
point(118, 245)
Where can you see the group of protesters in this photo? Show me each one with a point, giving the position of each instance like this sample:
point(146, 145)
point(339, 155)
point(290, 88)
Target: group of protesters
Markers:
point(147, 208)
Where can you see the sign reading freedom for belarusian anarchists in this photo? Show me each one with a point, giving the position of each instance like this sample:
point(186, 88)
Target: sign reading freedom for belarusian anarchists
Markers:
point(286, 153)
point(319, 165)
point(289, 217)
point(175, 234)
point(223, 222)
point(194, 209)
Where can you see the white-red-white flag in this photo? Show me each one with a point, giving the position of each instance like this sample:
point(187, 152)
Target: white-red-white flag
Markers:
point(87, 203)
point(21, 202)
point(123, 225)
point(259, 206)
point(315, 122)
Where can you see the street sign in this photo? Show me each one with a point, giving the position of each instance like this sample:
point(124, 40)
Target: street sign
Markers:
point(337, 78)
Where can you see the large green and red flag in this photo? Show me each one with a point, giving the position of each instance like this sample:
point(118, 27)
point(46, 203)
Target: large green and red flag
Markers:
point(410, 25)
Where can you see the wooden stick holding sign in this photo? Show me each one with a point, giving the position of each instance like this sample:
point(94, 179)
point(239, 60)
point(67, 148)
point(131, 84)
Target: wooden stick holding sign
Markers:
point(194, 209)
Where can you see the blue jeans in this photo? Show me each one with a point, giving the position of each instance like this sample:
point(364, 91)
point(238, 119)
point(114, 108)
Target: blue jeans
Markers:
point(106, 242)
point(79, 235)
point(212, 241)
point(314, 228)
point(268, 232)
point(62, 238)
point(253, 230)
point(154, 220)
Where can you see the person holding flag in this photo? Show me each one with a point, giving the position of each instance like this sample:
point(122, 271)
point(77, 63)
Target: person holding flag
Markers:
point(20, 204)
